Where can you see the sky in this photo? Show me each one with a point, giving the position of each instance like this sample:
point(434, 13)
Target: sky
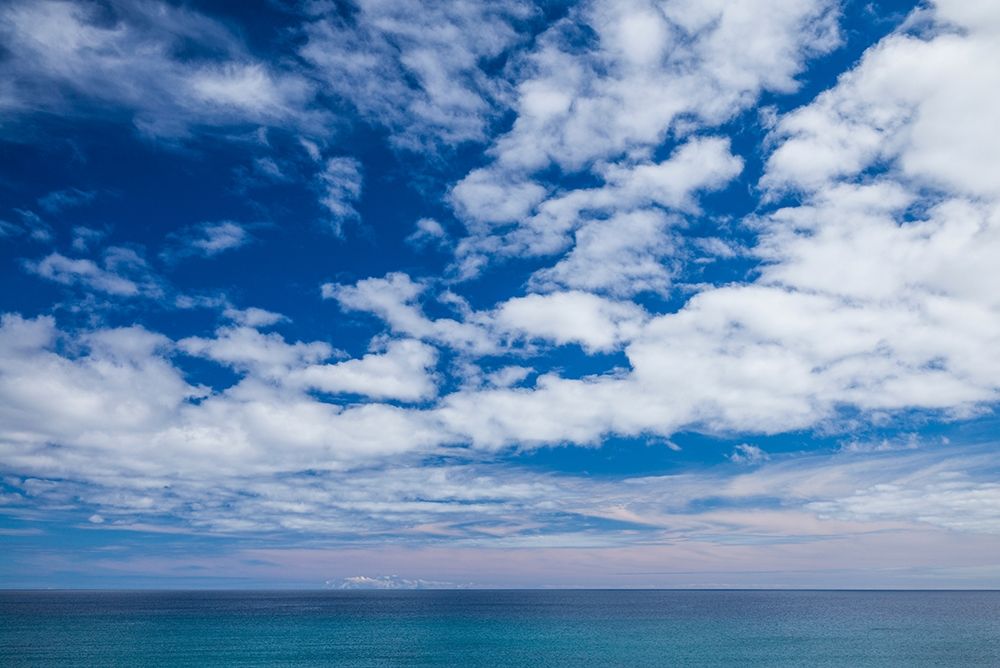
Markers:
point(399, 293)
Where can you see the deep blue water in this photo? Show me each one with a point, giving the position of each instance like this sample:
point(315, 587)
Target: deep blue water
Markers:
point(500, 628)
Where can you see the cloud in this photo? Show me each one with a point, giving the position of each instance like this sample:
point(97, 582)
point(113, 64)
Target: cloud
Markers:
point(417, 68)
point(73, 58)
point(121, 273)
point(903, 104)
point(486, 197)
point(402, 371)
point(120, 384)
point(388, 582)
point(428, 232)
point(887, 267)
point(748, 454)
point(764, 360)
point(246, 349)
point(340, 185)
point(624, 255)
point(116, 428)
point(558, 318)
point(60, 200)
point(254, 317)
point(117, 397)
point(910, 441)
point(31, 224)
point(245, 87)
point(206, 240)
point(508, 376)
point(86, 237)
point(823, 498)
point(624, 239)
point(909, 334)
point(9, 229)
point(570, 317)
point(760, 354)
point(948, 500)
point(872, 292)
point(394, 299)
point(763, 354)
point(650, 74)
point(650, 66)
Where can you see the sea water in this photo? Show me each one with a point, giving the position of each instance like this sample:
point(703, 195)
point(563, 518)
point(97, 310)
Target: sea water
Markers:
point(500, 628)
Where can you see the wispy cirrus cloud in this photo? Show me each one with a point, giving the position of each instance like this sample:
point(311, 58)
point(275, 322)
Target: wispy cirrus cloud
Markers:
point(60, 200)
point(74, 58)
point(340, 182)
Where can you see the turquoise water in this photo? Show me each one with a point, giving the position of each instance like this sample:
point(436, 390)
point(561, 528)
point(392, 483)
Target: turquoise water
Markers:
point(500, 628)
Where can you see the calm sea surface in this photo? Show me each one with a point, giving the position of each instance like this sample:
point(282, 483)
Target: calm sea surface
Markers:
point(500, 628)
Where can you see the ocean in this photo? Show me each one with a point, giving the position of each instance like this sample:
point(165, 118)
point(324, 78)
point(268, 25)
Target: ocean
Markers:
point(475, 628)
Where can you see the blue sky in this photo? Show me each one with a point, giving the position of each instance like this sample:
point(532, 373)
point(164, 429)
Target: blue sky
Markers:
point(615, 294)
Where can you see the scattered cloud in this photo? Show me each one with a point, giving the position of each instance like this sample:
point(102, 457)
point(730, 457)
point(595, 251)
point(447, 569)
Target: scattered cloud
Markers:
point(9, 229)
point(206, 240)
point(122, 272)
point(60, 200)
point(419, 69)
point(624, 240)
point(254, 317)
point(32, 224)
point(428, 232)
point(340, 185)
point(748, 454)
point(560, 318)
point(85, 238)
point(651, 68)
